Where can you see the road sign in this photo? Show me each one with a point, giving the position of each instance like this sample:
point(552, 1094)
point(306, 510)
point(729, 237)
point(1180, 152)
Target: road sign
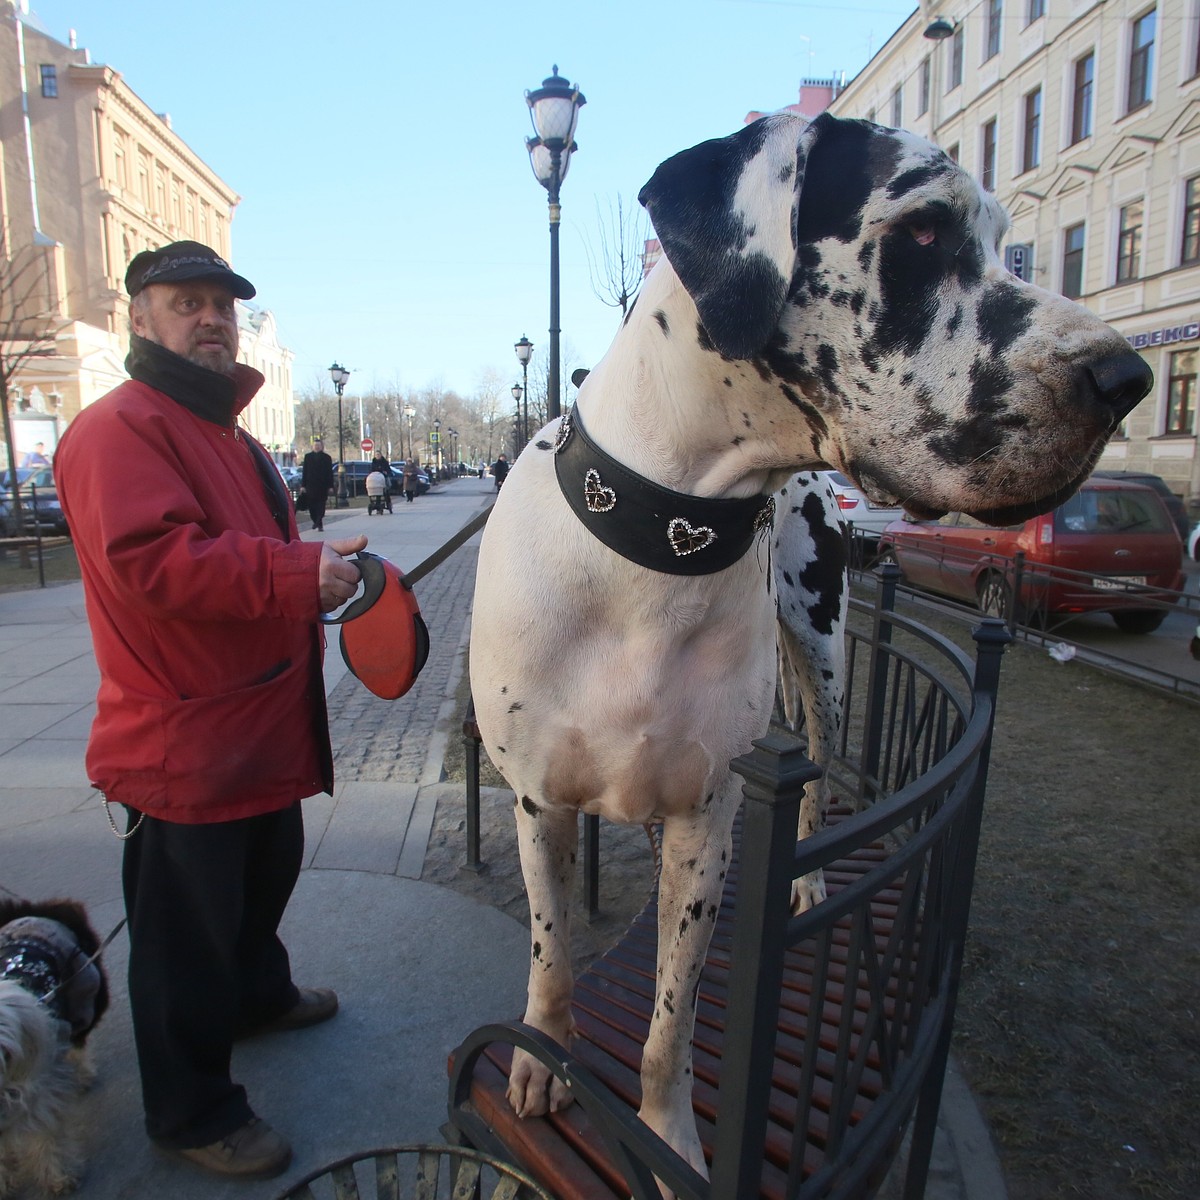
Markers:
point(367, 445)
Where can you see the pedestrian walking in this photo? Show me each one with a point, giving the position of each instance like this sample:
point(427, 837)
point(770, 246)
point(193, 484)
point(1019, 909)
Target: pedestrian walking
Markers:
point(381, 464)
point(410, 479)
point(500, 471)
point(316, 482)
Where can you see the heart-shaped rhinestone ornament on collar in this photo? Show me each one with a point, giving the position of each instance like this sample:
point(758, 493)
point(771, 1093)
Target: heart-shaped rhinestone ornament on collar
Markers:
point(599, 499)
point(657, 528)
point(686, 538)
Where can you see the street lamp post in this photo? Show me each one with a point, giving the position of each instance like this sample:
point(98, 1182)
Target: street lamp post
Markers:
point(937, 31)
point(340, 375)
point(524, 349)
point(518, 442)
point(437, 443)
point(554, 109)
point(410, 412)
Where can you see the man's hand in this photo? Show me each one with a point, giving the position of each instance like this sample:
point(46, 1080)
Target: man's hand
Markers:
point(337, 578)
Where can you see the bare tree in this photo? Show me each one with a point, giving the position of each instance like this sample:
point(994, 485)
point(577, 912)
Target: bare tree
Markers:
point(615, 266)
point(28, 330)
point(316, 413)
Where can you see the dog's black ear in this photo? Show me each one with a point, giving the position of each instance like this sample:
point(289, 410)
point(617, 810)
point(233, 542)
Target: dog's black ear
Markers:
point(725, 212)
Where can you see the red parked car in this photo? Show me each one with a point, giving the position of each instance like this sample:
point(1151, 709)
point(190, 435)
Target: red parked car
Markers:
point(1111, 548)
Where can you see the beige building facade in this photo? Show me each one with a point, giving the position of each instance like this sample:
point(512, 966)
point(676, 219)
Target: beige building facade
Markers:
point(90, 176)
point(1083, 117)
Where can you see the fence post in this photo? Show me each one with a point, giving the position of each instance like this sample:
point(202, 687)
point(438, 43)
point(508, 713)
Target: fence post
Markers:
point(1014, 602)
point(470, 729)
point(775, 773)
point(991, 637)
point(877, 675)
point(591, 865)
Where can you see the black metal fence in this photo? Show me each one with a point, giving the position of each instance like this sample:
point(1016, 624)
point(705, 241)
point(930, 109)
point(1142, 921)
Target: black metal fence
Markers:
point(1040, 603)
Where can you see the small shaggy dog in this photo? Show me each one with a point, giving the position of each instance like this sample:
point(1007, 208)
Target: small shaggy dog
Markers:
point(53, 991)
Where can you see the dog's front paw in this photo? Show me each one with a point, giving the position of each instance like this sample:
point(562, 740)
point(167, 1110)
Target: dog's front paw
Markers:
point(679, 1131)
point(807, 892)
point(533, 1090)
point(86, 1073)
point(57, 1179)
point(63, 1185)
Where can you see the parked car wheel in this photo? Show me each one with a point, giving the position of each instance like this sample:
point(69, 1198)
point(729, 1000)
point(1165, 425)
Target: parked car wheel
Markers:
point(993, 595)
point(1139, 620)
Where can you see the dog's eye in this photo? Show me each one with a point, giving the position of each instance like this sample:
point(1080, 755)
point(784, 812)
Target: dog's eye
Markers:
point(924, 234)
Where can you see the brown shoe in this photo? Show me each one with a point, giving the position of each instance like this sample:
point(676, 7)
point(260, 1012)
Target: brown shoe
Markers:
point(255, 1151)
point(314, 1006)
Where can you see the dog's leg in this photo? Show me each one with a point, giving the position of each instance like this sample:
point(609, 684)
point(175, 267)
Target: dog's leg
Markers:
point(812, 593)
point(695, 857)
point(814, 670)
point(548, 839)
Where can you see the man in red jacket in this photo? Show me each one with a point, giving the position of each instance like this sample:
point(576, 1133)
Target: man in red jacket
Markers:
point(210, 720)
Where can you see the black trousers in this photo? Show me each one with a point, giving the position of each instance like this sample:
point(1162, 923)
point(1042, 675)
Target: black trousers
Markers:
point(316, 508)
point(205, 961)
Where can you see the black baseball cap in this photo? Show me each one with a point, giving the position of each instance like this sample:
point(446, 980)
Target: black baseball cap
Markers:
point(181, 261)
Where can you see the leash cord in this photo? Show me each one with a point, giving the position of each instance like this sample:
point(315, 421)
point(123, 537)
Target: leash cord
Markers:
point(440, 555)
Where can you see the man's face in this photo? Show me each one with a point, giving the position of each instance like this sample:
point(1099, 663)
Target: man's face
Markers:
point(195, 320)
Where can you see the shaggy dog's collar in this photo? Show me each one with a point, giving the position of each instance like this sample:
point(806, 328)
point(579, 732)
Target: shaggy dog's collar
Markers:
point(34, 964)
point(656, 528)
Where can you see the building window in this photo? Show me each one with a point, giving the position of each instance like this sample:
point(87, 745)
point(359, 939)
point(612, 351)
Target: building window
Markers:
point(1072, 279)
point(923, 83)
point(898, 107)
point(954, 75)
point(987, 174)
point(49, 80)
point(1031, 152)
point(953, 153)
point(1181, 393)
point(991, 31)
point(120, 161)
point(144, 179)
point(1141, 62)
point(1129, 242)
point(1081, 99)
point(1191, 222)
point(1035, 11)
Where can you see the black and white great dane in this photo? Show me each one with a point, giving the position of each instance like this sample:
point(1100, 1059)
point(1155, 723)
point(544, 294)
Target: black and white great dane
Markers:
point(830, 294)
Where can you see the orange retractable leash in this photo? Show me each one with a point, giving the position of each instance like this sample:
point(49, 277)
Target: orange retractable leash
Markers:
point(385, 641)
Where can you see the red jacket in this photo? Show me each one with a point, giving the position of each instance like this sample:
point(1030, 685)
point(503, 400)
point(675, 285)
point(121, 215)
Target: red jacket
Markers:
point(204, 619)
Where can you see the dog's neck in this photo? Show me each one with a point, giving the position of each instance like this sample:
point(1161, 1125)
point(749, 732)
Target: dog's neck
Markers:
point(677, 427)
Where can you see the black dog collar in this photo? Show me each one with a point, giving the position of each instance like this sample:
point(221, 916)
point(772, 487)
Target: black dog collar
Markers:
point(656, 528)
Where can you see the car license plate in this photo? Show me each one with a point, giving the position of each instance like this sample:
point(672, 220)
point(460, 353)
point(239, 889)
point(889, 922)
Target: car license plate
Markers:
point(1103, 582)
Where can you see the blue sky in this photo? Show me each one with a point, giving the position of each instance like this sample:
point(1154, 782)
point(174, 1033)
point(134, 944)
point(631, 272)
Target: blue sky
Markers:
point(389, 216)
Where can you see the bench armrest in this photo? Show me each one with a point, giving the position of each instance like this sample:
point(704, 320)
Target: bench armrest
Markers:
point(637, 1150)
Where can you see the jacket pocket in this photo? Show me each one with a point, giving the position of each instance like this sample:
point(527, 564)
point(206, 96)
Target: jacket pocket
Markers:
point(247, 744)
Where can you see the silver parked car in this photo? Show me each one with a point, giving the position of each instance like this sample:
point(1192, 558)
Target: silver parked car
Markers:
point(869, 520)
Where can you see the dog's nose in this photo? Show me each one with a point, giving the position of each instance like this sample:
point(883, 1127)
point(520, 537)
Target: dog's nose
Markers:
point(1121, 381)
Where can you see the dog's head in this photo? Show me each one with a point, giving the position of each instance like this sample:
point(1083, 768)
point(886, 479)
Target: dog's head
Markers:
point(857, 269)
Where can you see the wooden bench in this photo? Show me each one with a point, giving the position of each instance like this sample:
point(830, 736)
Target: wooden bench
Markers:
point(820, 1039)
